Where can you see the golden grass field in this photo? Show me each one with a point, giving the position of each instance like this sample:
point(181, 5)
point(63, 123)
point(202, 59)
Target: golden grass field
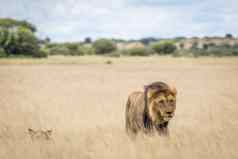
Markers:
point(83, 101)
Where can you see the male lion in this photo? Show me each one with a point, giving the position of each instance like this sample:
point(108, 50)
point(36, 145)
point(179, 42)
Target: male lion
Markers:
point(150, 111)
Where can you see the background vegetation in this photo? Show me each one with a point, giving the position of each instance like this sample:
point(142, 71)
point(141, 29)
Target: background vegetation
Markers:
point(18, 38)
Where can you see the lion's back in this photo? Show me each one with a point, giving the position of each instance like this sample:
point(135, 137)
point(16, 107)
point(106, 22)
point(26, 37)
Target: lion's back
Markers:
point(134, 112)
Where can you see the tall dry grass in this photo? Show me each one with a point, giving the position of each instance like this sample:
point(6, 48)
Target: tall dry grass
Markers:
point(85, 105)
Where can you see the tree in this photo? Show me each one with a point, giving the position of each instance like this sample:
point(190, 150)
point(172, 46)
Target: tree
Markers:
point(88, 40)
point(74, 49)
point(26, 42)
point(7, 40)
point(181, 45)
point(229, 36)
point(164, 47)
point(2, 53)
point(9, 23)
point(137, 51)
point(4, 34)
point(194, 45)
point(47, 40)
point(20, 41)
point(28, 25)
point(104, 46)
point(205, 46)
point(18, 38)
point(147, 41)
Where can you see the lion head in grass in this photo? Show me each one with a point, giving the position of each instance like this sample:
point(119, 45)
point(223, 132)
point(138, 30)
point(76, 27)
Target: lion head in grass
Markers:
point(40, 134)
point(151, 109)
point(160, 102)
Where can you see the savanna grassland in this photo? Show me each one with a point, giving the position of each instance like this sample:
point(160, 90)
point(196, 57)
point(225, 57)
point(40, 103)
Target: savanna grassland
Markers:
point(83, 101)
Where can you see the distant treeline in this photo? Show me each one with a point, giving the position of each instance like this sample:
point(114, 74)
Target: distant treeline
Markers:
point(17, 38)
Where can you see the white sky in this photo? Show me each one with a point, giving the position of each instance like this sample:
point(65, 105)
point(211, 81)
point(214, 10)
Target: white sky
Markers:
point(73, 20)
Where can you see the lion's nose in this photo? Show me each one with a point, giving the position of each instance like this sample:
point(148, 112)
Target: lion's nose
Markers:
point(169, 113)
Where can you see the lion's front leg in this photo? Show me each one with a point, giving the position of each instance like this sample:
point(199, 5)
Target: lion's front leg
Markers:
point(163, 131)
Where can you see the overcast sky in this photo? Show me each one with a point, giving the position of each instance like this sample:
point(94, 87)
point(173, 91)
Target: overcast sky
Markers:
point(73, 20)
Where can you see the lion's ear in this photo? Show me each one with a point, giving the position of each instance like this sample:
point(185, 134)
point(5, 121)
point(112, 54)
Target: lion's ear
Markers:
point(173, 90)
point(151, 92)
point(31, 131)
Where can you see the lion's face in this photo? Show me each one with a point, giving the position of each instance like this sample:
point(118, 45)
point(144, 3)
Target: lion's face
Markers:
point(162, 106)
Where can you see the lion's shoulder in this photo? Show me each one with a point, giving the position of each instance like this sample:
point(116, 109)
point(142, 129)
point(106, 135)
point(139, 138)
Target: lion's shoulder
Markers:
point(136, 101)
point(136, 97)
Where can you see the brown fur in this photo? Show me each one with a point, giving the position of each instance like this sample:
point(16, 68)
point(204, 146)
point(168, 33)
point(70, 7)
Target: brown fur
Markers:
point(151, 110)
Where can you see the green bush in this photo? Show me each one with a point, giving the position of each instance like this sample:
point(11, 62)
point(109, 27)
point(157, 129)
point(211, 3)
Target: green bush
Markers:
point(73, 49)
point(58, 50)
point(82, 50)
point(2, 53)
point(216, 51)
point(104, 46)
point(70, 49)
point(235, 50)
point(114, 54)
point(88, 50)
point(139, 52)
point(109, 62)
point(210, 50)
point(43, 52)
point(164, 47)
point(183, 53)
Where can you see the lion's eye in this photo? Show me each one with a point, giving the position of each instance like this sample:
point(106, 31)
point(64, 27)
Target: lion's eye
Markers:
point(161, 101)
point(171, 100)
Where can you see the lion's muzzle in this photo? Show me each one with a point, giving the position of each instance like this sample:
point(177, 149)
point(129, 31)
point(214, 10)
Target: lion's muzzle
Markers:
point(168, 116)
